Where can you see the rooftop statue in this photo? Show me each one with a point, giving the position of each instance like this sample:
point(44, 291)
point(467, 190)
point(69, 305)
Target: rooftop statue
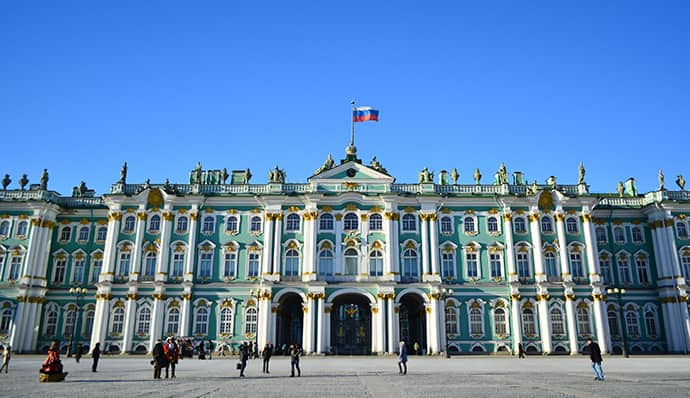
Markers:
point(551, 181)
point(502, 175)
point(44, 180)
point(276, 176)
point(195, 175)
point(680, 181)
point(6, 181)
point(376, 165)
point(225, 174)
point(166, 185)
point(327, 165)
point(123, 174)
point(661, 180)
point(477, 176)
point(248, 175)
point(23, 181)
point(620, 189)
point(454, 175)
point(425, 176)
point(581, 174)
point(535, 188)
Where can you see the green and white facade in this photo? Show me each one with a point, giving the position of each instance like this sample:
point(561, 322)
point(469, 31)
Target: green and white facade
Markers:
point(348, 262)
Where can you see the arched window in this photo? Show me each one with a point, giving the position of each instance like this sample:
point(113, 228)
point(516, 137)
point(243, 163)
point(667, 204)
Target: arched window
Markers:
point(642, 269)
point(118, 321)
point(291, 263)
point(375, 222)
point(571, 225)
point(250, 320)
point(409, 258)
point(143, 322)
point(173, 321)
point(496, 265)
point(326, 262)
point(5, 321)
point(613, 323)
point(351, 258)
point(468, 223)
point(68, 326)
point(79, 266)
point(492, 225)
point(551, 266)
point(409, 222)
point(83, 234)
point(681, 230)
point(66, 234)
point(476, 322)
point(125, 257)
point(557, 327)
point(619, 235)
point(448, 263)
point(376, 263)
point(636, 233)
point(206, 264)
point(230, 264)
point(472, 263)
point(605, 266)
point(51, 322)
point(155, 224)
point(150, 265)
point(350, 222)
point(182, 222)
point(519, 225)
point(651, 324)
point(22, 228)
point(201, 321)
point(178, 264)
point(326, 222)
point(101, 234)
point(225, 321)
point(685, 262)
point(59, 270)
point(583, 324)
point(451, 320)
point(255, 224)
point(292, 222)
point(522, 260)
point(128, 225)
point(253, 261)
point(15, 266)
point(576, 267)
point(528, 325)
point(4, 228)
point(87, 328)
point(446, 225)
point(209, 225)
point(231, 224)
point(546, 225)
point(632, 323)
point(500, 322)
point(623, 263)
point(601, 234)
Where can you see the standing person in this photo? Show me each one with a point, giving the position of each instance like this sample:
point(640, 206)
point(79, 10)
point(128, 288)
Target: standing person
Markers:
point(159, 361)
point(172, 355)
point(6, 356)
point(402, 358)
point(295, 353)
point(256, 350)
point(595, 356)
point(77, 356)
point(210, 350)
point(521, 351)
point(415, 347)
point(244, 356)
point(96, 354)
point(266, 354)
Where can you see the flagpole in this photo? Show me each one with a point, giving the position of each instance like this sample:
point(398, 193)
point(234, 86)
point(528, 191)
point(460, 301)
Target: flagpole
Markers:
point(352, 138)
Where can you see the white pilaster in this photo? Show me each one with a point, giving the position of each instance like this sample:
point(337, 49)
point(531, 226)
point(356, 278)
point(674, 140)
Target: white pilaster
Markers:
point(136, 268)
point(100, 320)
point(267, 255)
point(321, 327)
point(392, 344)
point(186, 316)
point(544, 325)
point(424, 225)
point(338, 265)
point(430, 322)
point(308, 326)
point(326, 334)
point(163, 258)
point(390, 248)
point(263, 321)
point(563, 248)
point(509, 246)
point(130, 314)
point(515, 322)
point(571, 324)
point(535, 231)
point(191, 245)
point(591, 249)
point(110, 249)
point(277, 244)
point(309, 248)
point(434, 250)
point(601, 323)
point(157, 317)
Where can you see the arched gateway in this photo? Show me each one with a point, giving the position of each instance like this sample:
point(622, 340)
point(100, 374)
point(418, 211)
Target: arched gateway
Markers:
point(351, 325)
point(289, 320)
point(413, 321)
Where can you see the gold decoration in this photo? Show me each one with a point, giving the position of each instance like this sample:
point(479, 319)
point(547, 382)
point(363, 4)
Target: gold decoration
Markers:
point(159, 296)
point(508, 217)
point(141, 216)
point(350, 186)
point(534, 217)
point(338, 217)
point(326, 209)
point(586, 217)
point(599, 297)
point(569, 297)
point(132, 296)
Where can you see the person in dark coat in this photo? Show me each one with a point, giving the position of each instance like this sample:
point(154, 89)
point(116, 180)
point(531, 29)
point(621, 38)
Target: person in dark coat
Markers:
point(295, 353)
point(266, 354)
point(95, 354)
point(159, 361)
point(77, 355)
point(521, 351)
point(402, 358)
point(244, 356)
point(595, 356)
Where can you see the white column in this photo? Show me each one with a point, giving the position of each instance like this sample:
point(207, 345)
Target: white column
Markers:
point(396, 327)
point(570, 322)
point(156, 320)
point(424, 225)
point(328, 308)
point(309, 248)
point(390, 248)
point(544, 324)
point(277, 241)
point(130, 314)
point(308, 326)
point(191, 246)
point(338, 245)
point(563, 248)
point(100, 320)
point(166, 227)
point(535, 231)
point(266, 256)
point(381, 327)
point(591, 249)
point(389, 314)
point(34, 324)
point(263, 321)
point(136, 269)
point(375, 326)
point(28, 326)
point(186, 315)
point(430, 322)
point(321, 328)
point(434, 252)
point(441, 322)
point(110, 248)
point(509, 246)
point(515, 322)
point(273, 323)
point(363, 267)
point(601, 324)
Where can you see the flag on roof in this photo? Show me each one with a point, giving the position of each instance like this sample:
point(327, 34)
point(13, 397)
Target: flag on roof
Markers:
point(365, 114)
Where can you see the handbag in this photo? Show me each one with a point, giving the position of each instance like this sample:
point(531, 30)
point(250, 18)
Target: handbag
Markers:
point(239, 365)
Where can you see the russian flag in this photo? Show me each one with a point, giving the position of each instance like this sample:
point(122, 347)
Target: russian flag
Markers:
point(365, 114)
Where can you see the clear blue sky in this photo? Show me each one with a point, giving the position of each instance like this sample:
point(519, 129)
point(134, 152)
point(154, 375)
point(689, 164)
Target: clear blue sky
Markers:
point(541, 85)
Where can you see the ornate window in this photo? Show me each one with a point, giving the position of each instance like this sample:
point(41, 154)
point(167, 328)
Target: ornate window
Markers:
point(66, 234)
point(326, 262)
point(409, 222)
point(83, 234)
point(59, 269)
point(448, 262)
point(96, 266)
point(68, 326)
point(632, 323)
point(182, 222)
point(143, 322)
point(376, 263)
point(118, 321)
point(79, 265)
point(209, 225)
point(496, 265)
point(178, 258)
point(16, 266)
point(522, 262)
point(22, 229)
point(226, 321)
point(583, 322)
point(571, 225)
point(623, 262)
point(651, 323)
point(326, 222)
point(375, 222)
point(51, 322)
point(255, 225)
point(685, 261)
point(124, 261)
point(637, 236)
point(577, 269)
point(230, 264)
point(472, 263)
point(476, 322)
point(642, 268)
point(519, 225)
point(292, 222)
point(150, 265)
point(500, 322)
point(4, 229)
point(351, 259)
point(451, 320)
point(605, 266)
point(601, 235)
point(613, 322)
point(253, 261)
point(173, 321)
point(155, 224)
point(291, 263)
point(250, 320)
point(619, 235)
point(350, 222)
point(546, 225)
point(557, 327)
point(469, 225)
point(206, 264)
point(87, 328)
point(201, 321)
point(409, 258)
point(528, 324)
point(231, 225)
point(492, 225)
point(682, 230)
point(551, 266)
point(128, 225)
point(446, 225)
point(101, 234)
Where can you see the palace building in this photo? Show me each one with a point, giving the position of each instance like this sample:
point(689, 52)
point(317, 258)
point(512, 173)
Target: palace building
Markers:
point(349, 262)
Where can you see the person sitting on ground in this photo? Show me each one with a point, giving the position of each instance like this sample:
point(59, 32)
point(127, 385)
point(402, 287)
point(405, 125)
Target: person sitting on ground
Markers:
point(52, 364)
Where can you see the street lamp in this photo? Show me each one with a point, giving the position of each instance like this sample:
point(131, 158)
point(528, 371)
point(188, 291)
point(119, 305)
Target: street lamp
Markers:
point(77, 293)
point(618, 293)
point(445, 293)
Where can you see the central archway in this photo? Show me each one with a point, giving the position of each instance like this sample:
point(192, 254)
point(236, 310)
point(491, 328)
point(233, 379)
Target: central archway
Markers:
point(289, 320)
point(413, 322)
point(351, 325)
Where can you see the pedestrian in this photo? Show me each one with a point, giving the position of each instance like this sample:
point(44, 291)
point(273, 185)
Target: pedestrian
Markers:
point(416, 348)
point(402, 358)
point(159, 362)
point(284, 350)
point(295, 353)
point(521, 351)
point(210, 350)
point(172, 355)
point(256, 350)
point(595, 356)
point(95, 354)
point(244, 356)
point(6, 356)
point(266, 354)
point(77, 356)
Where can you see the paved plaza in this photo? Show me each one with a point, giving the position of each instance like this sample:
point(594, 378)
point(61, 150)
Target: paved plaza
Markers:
point(475, 376)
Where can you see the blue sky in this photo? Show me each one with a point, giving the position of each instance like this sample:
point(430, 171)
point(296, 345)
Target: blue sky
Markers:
point(540, 85)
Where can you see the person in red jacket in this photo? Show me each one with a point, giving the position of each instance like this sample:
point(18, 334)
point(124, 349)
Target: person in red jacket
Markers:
point(172, 354)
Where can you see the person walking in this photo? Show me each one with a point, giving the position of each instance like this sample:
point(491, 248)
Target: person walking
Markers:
point(210, 349)
point(6, 356)
point(266, 354)
point(77, 355)
point(415, 347)
point(255, 350)
point(521, 351)
point(595, 356)
point(172, 355)
point(402, 358)
point(295, 353)
point(159, 362)
point(95, 354)
point(244, 356)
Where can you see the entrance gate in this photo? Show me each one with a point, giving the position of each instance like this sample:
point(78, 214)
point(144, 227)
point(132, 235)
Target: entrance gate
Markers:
point(351, 325)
